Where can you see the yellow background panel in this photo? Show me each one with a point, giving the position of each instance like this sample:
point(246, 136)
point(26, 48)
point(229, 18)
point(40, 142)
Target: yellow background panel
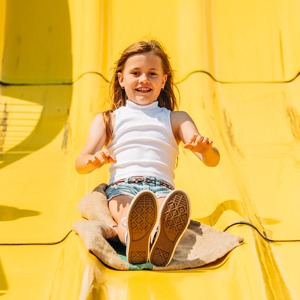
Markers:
point(236, 64)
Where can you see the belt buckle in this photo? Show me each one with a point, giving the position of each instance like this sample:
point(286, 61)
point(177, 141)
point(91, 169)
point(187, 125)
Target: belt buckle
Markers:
point(148, 180)
point(151, 180)
point(136, 179)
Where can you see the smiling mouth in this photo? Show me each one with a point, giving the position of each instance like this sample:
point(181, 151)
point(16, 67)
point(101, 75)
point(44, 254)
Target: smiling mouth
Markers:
point(143, 90)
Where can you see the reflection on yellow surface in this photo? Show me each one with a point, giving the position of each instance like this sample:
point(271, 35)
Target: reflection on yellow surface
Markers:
point(236, 64)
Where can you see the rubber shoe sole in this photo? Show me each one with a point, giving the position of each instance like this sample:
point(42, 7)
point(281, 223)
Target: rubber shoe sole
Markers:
point(142, 217)
point(174, 219)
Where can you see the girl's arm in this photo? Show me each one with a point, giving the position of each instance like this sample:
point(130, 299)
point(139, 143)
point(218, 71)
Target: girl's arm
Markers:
point(186, 131)
point(93, 155)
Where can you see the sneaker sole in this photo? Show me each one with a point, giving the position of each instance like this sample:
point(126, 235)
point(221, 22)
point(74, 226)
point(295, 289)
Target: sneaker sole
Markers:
point(142, 217)
point(175, 217)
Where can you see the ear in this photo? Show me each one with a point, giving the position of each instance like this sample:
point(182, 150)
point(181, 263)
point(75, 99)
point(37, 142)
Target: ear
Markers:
point(121, 79)
point(164, 80)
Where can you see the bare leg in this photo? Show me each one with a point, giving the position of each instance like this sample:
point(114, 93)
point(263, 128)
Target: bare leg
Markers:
point(118, 207)
point(160, 201)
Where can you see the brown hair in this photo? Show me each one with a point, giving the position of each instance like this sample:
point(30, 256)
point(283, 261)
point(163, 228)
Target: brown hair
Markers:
point(166, 97)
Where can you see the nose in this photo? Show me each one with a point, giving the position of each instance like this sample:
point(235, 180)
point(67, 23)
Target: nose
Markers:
point(144, 78)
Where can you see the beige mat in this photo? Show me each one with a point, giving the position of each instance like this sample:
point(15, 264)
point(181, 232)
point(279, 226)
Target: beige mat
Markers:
point(200, 244)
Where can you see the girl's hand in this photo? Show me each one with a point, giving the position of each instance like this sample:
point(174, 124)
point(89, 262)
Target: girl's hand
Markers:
point(100, 158)
point(199, 144)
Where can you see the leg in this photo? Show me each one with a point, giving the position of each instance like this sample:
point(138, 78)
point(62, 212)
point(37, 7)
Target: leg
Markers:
point(160, 201)
point(118, 207)
point(140, 214)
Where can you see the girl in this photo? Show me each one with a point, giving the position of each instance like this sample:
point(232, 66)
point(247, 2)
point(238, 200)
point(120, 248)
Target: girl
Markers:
point(139, 137)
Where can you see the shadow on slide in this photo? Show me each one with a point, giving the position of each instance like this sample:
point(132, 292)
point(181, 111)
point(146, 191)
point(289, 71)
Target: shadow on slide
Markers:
point(234, 68)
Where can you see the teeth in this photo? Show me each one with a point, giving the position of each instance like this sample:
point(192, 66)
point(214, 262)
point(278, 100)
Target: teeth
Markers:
point(144, 89)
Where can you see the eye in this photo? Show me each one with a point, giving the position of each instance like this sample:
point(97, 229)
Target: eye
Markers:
point(135, 73)
point(153, 74)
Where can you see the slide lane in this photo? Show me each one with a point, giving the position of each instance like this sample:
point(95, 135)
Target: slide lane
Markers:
point(238, 82)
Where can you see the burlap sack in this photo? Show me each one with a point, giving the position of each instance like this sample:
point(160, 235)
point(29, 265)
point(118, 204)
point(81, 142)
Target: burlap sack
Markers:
point(200, 244)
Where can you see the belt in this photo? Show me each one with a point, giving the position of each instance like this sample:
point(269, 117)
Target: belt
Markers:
point(139, 179)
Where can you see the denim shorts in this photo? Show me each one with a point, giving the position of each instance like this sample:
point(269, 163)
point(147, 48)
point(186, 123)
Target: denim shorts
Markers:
point(133, 185)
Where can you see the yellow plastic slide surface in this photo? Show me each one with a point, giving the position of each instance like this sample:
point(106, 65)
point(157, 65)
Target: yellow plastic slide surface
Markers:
point(237, 65)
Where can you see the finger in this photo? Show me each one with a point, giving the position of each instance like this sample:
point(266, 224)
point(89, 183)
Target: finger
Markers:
point(99, 158)
point(112, 159)
point(190, 143)
point(194, 140)
point(91, 160)
point(95, 162)
point(105, 153)
point(105, 157)
point(187, 146)
point(205, 140)
point(108, 157)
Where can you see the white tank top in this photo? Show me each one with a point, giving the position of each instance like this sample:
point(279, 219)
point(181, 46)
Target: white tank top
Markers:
point(143, 143)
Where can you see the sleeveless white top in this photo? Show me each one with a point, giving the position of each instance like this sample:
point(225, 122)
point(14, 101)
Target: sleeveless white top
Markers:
point(143, 143)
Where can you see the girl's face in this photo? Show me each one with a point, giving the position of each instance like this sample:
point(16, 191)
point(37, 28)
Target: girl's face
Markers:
point(143, 78)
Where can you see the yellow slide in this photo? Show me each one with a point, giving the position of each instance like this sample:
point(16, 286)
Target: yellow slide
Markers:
point(237, 65)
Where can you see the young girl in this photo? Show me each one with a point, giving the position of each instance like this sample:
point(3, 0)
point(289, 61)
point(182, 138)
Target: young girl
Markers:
point(139, 137)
